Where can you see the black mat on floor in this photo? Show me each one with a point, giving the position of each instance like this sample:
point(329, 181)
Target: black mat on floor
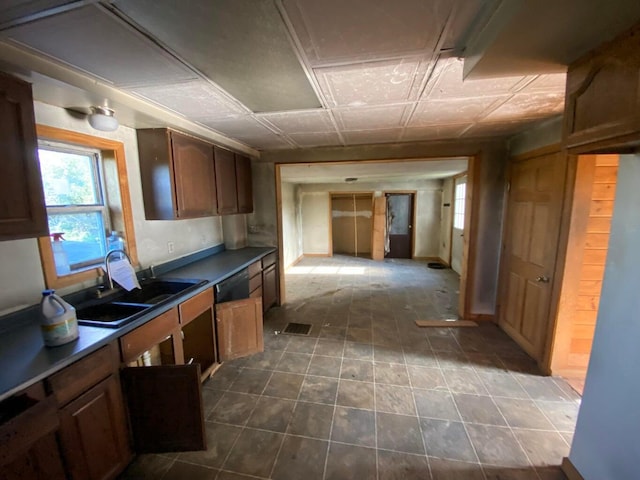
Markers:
point(436, 265)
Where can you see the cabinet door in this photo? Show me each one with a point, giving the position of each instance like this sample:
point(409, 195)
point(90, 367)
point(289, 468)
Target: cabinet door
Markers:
point(93, 433)
point(22, 207)
point(239, 328)
point(199, 332)
point(195, 183)
point(269, 287)
point(165, 408)
point(244, 184)
point(226, 181)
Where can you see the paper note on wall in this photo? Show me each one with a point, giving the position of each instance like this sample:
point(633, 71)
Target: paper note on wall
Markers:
point(123, 273)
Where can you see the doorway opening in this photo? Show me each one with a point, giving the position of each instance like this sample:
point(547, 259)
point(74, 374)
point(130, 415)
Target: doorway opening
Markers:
point(352, 224)
point(457, 227)
point(400, 220)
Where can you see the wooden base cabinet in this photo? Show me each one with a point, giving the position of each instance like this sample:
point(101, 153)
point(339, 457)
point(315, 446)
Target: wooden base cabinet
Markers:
point(239, 328)
point(197, 319)
point(93, 433)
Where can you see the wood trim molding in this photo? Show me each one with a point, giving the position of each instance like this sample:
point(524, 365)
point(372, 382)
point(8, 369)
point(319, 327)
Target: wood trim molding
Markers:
point(414, 196)
point(112, 150)
point(471, 219)
point(538, 152)
point(569, 469)
point(281, 282)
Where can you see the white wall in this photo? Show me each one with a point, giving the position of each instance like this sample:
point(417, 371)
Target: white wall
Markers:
point(605, 444)
point(262, 223)
point(316, 205)
point(315, 221)
point(290, 225)
point(21, 279)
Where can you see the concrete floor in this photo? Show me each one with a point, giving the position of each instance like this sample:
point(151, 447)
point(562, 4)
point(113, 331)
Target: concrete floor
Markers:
point(368, 395)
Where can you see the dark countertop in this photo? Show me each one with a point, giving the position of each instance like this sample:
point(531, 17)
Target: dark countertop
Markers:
point(24, 360)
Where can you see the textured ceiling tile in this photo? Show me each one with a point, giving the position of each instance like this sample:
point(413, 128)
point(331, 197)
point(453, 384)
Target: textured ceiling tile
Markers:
point(301, 122)
point(434, 132)
point(450, 111)
point(372, 136)
point(528, 105)
point(315, 139)
point(371, 83)
point(93, 41)
point(197, 99)
point(242, 45)
point(338, 30)
point(553, 82)
point(449, 84)
point(365, 118)
point(239, 127)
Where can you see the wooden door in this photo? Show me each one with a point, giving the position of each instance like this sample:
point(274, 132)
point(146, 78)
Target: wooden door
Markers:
point(400, 225)
point(195, 184)
point(94, 435)
point(225, 167)
point(165, 408)
point(22, 207)
point(244, 184)
point(239, 328)
point(457, 228)
point(531, 242)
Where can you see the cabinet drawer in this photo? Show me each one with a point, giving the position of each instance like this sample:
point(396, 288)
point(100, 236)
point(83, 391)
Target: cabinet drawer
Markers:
point(257, 293)
point(195, 306)
point(151, 333)
point(255, 268)
point(269, 260)
point(255, 282)
point(83, 374)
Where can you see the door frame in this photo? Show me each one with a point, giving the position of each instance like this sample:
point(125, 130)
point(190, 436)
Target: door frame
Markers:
point(412, 226)
point(452, 215)
point(469, 251)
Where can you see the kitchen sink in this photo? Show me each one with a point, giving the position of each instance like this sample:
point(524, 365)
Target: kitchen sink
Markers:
point(122, 307)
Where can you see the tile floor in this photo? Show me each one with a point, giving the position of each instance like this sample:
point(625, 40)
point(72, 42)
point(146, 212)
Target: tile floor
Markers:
point(368, 395)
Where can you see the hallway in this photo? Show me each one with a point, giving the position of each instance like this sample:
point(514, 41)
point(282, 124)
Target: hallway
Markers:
point(368, 395)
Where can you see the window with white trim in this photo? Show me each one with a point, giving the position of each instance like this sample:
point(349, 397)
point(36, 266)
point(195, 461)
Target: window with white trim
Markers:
point(73, 182)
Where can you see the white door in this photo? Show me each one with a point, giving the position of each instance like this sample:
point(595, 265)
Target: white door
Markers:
point(457, 237)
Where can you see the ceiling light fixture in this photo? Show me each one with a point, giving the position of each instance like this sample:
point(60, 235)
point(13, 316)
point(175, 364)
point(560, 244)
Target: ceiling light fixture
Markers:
point(102, 118)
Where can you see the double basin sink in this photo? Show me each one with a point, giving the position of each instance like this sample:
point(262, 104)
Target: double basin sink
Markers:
point(121, 307)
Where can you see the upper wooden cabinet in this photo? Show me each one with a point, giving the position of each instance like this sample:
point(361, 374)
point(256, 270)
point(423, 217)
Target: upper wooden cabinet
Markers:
point(22, 209)
point(244, 184)
point(233, 182)
point(603, 93)
point(226, 189)
point(178, 178)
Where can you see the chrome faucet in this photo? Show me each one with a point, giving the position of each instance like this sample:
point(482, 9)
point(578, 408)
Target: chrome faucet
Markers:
point(109, 283)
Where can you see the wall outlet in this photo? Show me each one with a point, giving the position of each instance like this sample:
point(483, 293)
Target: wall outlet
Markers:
point(170, 247)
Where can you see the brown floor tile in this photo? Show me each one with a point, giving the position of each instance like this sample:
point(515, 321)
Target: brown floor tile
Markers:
point(391, 373)
point(234, 408)
point(319, 390)
point(311, 420)
point(402, 466)
point(301, 458)
point(426, 377)
point(394, 399)
point(351, 425)
point(251, 381)
point(349, 462)
point(254, 453)
point(388, 354)
point(464, 381)
point(399, 432)
point(355, 394)
point(284, 385)
point(359, 335)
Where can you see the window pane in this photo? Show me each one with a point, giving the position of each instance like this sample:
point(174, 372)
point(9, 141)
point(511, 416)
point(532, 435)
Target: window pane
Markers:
point(68, 178)
point(84, 236)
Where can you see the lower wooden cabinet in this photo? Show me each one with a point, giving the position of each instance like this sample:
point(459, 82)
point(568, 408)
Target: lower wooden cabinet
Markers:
point(93, 433)
point(270, 287)
point(239, 328)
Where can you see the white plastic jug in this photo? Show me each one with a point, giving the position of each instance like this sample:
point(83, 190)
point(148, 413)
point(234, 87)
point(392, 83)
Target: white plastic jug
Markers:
point(59, 324)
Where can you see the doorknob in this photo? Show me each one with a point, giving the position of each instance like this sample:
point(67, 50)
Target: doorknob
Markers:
point(542, 279)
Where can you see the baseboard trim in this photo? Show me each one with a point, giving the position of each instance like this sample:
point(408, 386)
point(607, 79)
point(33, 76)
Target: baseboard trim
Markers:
point(316, 255)
point(480, 317)
point(570, 470)
point(296, 261)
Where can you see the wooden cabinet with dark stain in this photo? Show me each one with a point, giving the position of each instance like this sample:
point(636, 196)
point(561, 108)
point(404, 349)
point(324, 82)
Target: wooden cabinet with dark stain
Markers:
point(270, 281)
point(178, 176)
point(93, 433)
point(22, 208)
point(244, 185)
point(225, 167)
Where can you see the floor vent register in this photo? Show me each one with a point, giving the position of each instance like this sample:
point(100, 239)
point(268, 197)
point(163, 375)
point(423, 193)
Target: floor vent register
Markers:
point(297, 329)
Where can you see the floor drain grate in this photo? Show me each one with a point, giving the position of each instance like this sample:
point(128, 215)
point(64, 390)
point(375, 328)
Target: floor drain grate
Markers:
point(297, 329)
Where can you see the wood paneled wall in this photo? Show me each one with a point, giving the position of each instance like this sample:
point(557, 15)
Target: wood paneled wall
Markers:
point(592, 210)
